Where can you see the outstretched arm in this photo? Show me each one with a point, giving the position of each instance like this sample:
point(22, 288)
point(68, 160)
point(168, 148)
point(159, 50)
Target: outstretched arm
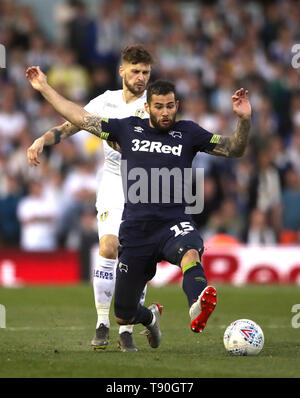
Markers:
point(235, 145)
point(68, 109)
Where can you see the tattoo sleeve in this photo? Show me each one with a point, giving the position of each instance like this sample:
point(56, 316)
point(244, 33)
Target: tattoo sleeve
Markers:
point(92, 124)
point(235, 145)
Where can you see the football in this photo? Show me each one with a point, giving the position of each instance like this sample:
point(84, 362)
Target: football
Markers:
point(243, 337)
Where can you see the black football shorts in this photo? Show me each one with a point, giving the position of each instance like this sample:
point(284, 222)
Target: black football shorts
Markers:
point(142, 246)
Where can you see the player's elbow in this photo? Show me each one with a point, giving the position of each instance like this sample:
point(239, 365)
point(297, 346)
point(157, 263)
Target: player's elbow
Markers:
point(237, 152)
point(77, 116)
point(78, 121)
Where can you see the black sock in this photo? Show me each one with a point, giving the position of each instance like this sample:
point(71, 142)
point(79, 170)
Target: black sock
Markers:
point(194, 281)
point(143, 316)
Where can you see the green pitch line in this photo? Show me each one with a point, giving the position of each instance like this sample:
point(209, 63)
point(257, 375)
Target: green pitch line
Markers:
point(49, 329)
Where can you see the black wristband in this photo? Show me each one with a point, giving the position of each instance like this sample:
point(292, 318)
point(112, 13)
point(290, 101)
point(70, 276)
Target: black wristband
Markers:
point(57, 135)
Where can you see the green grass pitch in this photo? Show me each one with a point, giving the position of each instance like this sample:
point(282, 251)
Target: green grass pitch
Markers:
point(49, 329)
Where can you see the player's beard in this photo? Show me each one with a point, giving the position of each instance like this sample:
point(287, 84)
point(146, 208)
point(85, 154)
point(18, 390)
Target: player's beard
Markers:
point(160, 127)
point(134, 90)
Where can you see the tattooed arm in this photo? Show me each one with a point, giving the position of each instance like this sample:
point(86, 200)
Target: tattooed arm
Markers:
point(235, 145)
point(74, 113)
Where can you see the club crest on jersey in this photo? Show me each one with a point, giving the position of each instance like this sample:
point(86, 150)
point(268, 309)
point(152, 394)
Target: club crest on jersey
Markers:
point(103, 216)
point(175, 134)
point(140, 113)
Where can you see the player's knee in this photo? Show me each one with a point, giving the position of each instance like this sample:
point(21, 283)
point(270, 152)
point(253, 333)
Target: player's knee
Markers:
point(109, 246)
point(122, 321)
point(124, 314)
point(190, 256)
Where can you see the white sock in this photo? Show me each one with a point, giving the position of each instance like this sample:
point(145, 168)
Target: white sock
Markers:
point(129, 328)
point(126, 328)
point(195, 309)
point(104, 286)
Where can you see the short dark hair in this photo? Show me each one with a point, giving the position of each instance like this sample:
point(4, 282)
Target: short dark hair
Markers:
point(160, 87)
point(135, 54)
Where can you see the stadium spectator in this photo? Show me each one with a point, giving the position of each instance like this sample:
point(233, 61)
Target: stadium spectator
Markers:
point(212, 195)
point(9, 223)
point(39, 53)
point(281, 159)
point(259, 232)
point(109, 33)
point(37, 215)
point(226, 220)
point(64, 13)
point(12, 122)
point(68, 76)
point(80, 33)
point(291, 200)
point(79, 190)
point(44, 120)
point(293, 150)
point(265, 189)
point(17, 164)
point(101, 80)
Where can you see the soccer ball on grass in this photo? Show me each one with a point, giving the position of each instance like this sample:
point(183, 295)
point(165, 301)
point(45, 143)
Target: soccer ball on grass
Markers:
point(243, 337)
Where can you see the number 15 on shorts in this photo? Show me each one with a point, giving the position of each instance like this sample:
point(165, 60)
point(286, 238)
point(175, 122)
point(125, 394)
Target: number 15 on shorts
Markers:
point(182, 228)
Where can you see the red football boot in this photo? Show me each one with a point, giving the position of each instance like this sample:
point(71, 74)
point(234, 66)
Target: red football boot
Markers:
point(201, 310)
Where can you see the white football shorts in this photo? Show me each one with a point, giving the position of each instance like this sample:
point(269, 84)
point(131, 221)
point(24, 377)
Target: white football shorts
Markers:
point(109, 204)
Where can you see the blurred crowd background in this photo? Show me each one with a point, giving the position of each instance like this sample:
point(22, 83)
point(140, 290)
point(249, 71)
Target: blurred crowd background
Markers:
point(209, 49)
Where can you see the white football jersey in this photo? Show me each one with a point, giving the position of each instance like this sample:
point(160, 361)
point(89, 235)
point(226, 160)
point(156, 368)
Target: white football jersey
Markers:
point(112, 105)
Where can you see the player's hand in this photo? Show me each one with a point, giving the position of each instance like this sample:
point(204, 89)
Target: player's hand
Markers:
point(36, 77)
point(240, 104)
point(34, 151)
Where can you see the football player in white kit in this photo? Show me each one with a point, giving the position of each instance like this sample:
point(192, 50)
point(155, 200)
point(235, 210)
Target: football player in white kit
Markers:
point(129, 101)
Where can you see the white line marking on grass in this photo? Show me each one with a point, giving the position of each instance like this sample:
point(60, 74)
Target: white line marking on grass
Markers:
point(24, 328)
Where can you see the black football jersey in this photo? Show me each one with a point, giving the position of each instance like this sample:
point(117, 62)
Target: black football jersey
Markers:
point(155, 164)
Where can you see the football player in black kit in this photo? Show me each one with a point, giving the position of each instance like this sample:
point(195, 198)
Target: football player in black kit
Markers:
point(156, 230)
